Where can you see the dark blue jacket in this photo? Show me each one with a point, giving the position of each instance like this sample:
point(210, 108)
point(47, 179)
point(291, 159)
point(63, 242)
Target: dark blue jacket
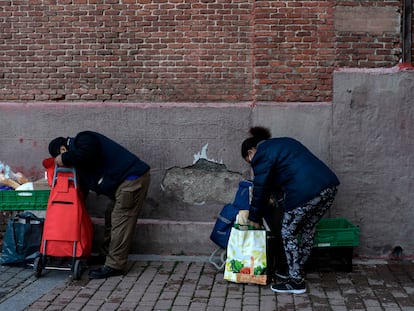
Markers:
point(285, 167)
point(102, 164)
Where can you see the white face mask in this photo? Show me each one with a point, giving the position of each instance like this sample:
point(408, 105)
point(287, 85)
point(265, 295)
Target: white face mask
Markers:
point(251, 154)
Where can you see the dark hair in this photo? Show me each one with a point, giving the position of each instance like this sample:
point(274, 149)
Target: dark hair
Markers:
point(55, 144)
point(258, 133)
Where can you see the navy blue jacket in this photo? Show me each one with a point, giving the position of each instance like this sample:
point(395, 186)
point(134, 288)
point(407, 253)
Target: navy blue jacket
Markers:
point(102, 164)
point(286, 168)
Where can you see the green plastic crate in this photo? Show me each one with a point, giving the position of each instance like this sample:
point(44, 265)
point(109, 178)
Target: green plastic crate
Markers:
point(24, 199)
point(334, 232)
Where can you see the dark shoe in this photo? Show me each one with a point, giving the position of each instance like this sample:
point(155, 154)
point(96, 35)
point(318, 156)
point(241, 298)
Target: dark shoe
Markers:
point(96, 260)
point(104, 272)
point(292, 286)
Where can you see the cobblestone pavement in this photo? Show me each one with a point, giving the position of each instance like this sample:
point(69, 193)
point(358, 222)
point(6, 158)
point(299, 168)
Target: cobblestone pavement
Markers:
point(19, 287)
point(13, 280)
point(196, 285)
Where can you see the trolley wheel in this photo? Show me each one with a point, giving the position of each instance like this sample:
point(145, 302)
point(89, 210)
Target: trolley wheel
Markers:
point(77, 270)
point(37, 267)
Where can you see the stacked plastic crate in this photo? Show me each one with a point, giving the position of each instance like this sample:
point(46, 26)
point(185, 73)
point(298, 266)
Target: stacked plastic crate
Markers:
point(333, 249)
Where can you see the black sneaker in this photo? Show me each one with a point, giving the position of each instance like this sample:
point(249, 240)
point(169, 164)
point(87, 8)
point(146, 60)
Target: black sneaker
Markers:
point(96, 260)
point(282, 275)
point(290, 286)
point(104, 272)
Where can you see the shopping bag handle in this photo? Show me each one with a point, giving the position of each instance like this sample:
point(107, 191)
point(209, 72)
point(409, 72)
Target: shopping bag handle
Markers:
point(27, 217)
point(246, 227)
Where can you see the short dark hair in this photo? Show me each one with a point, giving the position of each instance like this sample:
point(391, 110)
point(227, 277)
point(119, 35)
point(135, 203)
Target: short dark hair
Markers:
point(55, 144)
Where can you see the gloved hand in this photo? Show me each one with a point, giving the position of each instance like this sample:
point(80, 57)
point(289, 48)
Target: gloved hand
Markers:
point(242, 218)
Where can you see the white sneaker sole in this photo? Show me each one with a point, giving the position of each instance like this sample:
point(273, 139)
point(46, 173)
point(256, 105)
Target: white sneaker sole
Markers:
point(288, 291)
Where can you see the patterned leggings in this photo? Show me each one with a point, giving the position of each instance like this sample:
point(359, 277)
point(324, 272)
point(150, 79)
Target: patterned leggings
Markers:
point(302, 220)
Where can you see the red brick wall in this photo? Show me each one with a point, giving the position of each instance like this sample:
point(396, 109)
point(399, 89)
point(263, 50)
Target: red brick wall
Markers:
point(188, 50)
point(294, 50)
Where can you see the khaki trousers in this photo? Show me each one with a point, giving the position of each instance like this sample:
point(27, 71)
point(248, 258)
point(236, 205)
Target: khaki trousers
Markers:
point(121, 219)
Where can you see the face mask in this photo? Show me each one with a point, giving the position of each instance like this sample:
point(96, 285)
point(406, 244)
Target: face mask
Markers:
point(250, 156)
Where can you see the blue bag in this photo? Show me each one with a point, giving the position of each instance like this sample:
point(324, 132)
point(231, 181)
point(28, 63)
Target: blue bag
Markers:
point(221, 231)
point(22, 239)
point(225, 220)
point(242, 198)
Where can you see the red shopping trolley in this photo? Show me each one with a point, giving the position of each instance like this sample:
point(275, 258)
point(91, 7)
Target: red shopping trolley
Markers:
point(68, 229)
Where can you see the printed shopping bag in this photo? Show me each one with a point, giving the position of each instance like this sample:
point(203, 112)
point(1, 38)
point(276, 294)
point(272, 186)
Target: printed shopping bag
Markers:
point(246, 260)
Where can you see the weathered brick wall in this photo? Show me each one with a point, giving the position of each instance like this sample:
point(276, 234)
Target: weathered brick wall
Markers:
point(190, 50)
point(368, 34)
point(130, 51)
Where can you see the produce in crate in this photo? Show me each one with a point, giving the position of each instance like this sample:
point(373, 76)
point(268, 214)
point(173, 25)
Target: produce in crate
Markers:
point(9, 178)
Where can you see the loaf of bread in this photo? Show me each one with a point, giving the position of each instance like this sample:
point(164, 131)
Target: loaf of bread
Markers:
point(8, 182)
point(20, 178)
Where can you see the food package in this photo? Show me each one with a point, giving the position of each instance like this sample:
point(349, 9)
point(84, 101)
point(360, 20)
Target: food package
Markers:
point(25, 186)
point(8, 182)
point(9, 178)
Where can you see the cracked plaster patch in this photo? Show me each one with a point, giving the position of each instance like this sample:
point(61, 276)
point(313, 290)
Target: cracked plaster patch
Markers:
point(203, 182)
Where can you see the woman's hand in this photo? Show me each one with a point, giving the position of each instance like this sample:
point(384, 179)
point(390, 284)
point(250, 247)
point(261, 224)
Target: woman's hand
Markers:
point(254, 224)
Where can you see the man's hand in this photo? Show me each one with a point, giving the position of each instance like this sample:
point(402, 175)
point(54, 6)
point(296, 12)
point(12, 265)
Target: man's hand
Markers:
point(58, 160)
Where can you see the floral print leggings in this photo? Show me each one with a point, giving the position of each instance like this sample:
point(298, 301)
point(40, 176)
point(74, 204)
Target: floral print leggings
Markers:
point(302, 220)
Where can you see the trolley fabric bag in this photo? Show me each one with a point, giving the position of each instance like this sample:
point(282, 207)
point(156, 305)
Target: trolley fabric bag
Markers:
point(22, 239)
point(225, 220)
point(246, 260)
point(243, 194)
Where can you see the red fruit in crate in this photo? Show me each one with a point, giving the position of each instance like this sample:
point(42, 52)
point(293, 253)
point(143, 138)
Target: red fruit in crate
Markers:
point(245, 270)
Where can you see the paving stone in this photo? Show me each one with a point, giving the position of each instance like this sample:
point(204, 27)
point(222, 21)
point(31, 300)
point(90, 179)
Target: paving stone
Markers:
point(187, 285)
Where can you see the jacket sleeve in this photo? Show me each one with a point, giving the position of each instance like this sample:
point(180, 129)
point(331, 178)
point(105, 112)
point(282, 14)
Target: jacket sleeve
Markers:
point(262, 167)
point(85, 152)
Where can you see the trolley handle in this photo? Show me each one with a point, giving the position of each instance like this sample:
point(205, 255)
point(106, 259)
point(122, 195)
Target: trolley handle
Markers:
point(65, 170)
